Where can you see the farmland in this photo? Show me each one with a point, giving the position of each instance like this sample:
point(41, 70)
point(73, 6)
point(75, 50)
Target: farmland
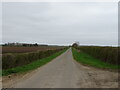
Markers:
point(16, 62)
point(89, 60)
point(32, 65)
point(63, 72)
point(22, 56)
point(106, 54)
point(23, 49)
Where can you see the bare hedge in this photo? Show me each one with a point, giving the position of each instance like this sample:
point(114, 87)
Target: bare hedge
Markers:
point(20, 59)
point(106, 54)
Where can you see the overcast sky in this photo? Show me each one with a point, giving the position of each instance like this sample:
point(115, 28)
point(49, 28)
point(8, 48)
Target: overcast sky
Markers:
point(61, 23)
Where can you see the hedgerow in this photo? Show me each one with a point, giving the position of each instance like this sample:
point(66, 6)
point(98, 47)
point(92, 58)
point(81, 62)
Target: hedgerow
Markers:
point(11, 60)
point(106, 54)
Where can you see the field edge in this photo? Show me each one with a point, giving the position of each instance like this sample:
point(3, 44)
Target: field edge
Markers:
point(33, 65)
point(95, 63)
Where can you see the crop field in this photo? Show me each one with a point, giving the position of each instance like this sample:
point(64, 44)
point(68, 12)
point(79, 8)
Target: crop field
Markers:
point(14, 56)
point(23, 49)
point(106, 54)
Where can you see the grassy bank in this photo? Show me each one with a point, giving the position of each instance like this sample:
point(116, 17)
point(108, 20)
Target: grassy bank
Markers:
point(104, 53)
point(91, 61)
point(32, 65)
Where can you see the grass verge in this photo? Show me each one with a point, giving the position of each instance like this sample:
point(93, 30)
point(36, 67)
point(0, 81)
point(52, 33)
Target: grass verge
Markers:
point(89, 60)
point(32, 65)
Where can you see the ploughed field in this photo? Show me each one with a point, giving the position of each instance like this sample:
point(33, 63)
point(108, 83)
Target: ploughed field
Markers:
point(25, 49)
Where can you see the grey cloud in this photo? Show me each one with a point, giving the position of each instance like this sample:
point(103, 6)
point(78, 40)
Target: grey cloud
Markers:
point(60, 23)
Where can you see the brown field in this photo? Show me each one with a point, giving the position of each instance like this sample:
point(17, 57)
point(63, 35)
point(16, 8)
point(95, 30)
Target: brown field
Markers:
point(22, 49)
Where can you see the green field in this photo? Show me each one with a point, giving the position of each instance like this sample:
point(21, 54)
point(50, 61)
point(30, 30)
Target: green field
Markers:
point(32, 65)
point(91, 61)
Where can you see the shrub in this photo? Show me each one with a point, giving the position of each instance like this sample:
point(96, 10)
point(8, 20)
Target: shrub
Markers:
point(106, 54)
point(14, 60)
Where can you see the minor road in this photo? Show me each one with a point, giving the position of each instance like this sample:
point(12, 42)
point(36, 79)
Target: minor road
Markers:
point(65, 72)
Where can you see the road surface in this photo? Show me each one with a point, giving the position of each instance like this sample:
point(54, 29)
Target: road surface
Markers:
point(65, 72)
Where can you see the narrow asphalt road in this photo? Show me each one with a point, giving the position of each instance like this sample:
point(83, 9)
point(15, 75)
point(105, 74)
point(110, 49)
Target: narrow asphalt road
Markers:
point(65, 72)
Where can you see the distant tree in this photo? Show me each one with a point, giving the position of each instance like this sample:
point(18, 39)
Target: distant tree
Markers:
point(35, 44)
point(5, 44)
point(76, 44)
point(24, 44)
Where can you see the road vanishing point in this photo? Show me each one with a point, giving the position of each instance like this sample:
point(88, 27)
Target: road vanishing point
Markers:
point(65, 72)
